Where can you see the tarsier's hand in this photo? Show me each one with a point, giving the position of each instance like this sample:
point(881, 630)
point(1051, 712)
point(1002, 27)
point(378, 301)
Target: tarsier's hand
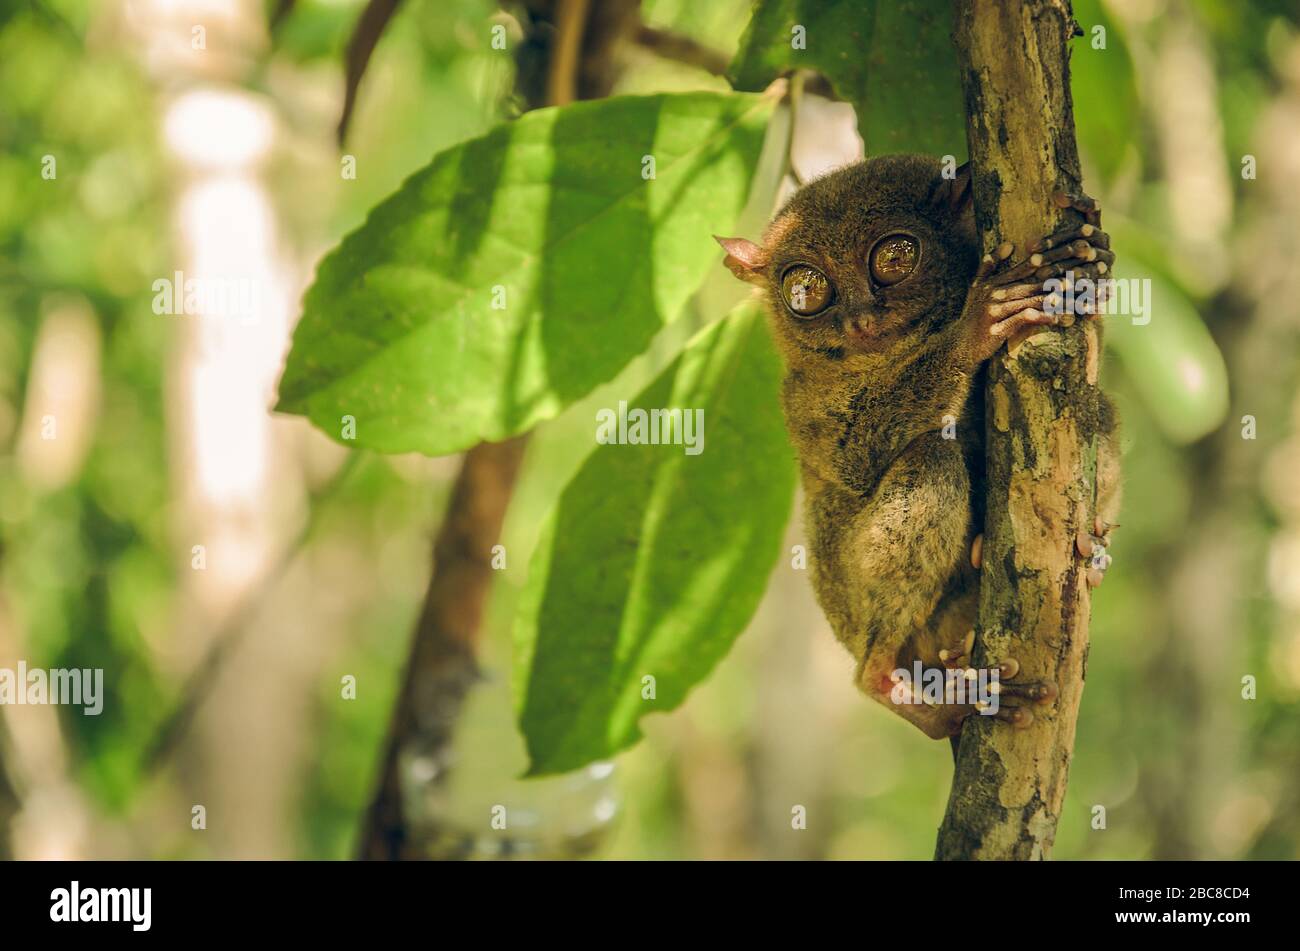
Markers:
point(1005, 304)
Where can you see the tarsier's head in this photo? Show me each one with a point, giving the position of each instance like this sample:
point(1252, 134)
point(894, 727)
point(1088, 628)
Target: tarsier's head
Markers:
point(865, 256)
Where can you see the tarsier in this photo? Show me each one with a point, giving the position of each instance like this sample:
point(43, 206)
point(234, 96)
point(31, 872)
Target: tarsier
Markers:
point(885, 313)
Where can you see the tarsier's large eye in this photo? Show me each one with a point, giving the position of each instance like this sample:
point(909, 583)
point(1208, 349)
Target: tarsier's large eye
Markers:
point(806, 290)
point(893, 258)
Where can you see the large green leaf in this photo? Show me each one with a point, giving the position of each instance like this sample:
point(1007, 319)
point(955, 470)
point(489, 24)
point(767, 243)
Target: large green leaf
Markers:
point(516, 272)
point(1105, 90)
point(892, 59)
point(654, 560)
point(1168, 352)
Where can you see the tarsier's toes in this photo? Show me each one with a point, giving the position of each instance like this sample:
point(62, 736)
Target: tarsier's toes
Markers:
point(1033, 692)
point(1043, 691)
point(958, 657)
point(1093, 545)
point(1016, 717)
point(977, 552)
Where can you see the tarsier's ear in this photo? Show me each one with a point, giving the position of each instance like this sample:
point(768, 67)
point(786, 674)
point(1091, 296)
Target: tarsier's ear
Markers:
point(955, 197)
point(745, 259)
point(956, 192)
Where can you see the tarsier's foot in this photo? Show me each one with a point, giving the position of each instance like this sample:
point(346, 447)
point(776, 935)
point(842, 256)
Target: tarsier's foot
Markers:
point(957, 658)
point(1018, 715)
point(1093, 546)
point(1031, 692)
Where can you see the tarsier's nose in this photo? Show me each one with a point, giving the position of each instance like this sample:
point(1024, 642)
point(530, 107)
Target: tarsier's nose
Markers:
point(858, 327)
point(863, 327)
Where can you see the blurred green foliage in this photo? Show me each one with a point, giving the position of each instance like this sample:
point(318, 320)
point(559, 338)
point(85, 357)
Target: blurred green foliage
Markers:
point(92, 571)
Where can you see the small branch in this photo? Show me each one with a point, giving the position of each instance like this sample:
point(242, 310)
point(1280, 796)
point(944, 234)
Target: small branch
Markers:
point(442, 666)
point(682, 49)
point(795, 97)
point(370, 27)
point(1009, 785)
point(281, 12)
point(562, 78)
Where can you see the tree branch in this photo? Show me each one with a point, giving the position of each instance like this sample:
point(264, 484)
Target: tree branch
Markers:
point(370, 27)
point(567, 54)
point(681, 48)
point(442, 666)
point(1009, 785)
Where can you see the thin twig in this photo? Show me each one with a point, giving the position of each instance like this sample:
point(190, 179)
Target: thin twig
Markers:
point(795, 95)
point(682, 49)
point(370, 27)
point(562, 78)
point(281, 13)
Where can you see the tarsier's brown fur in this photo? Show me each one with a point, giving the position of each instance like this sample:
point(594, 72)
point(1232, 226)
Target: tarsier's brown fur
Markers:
point(876, 387)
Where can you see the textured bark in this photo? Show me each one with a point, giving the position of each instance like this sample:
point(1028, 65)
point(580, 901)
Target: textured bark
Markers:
point(1009, 785)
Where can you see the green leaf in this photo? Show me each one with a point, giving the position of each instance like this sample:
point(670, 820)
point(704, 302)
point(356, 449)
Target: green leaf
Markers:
point(1168, 352)
point(654, 559)
point(892, 59)
point(1104, 90)
point(517, 271)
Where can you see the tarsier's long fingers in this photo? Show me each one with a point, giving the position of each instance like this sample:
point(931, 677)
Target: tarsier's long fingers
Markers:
point(1006, 320)
point(1090, 208)
point(992, 261)
point(1044, 302)
point(1042, 265)
point(1070, 247)
point(1070, 233)
point(1016, 292)
point(1019, 303)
